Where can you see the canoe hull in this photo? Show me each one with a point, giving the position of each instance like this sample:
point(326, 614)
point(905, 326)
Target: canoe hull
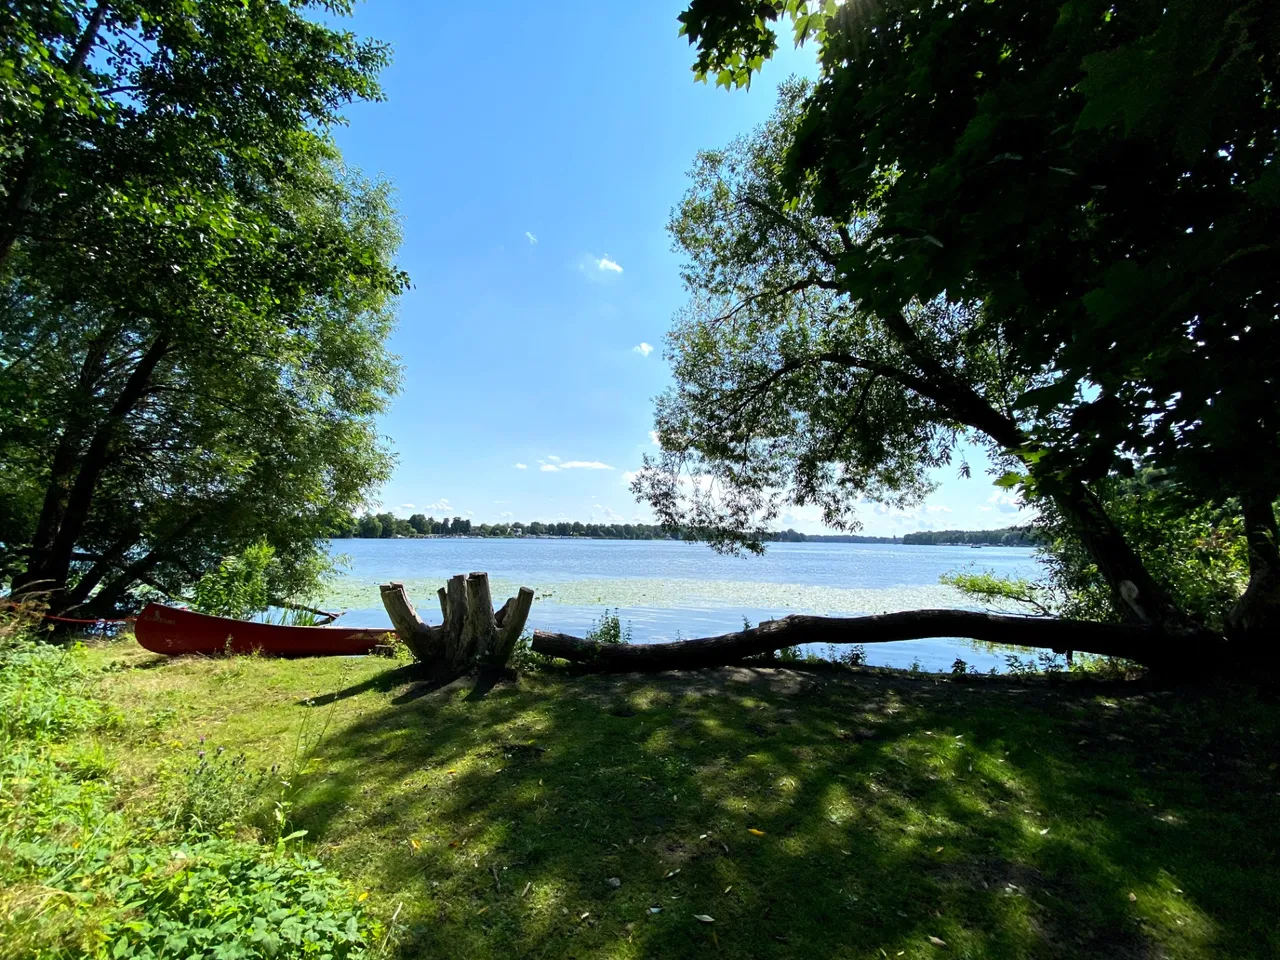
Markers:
point(174, 632)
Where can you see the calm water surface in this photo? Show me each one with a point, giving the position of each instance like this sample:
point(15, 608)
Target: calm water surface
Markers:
point(667, 590)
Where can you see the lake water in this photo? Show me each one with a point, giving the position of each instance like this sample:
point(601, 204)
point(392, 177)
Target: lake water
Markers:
point(668, 590)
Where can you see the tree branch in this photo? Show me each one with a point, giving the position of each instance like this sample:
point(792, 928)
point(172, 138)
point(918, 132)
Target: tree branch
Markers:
point(797, 287)
point(825, 255)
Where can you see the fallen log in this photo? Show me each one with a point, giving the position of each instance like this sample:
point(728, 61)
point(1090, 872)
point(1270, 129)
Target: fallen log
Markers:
point(1141, 644)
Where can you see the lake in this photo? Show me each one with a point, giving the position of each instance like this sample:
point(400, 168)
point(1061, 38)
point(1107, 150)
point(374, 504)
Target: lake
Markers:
point(667, 590)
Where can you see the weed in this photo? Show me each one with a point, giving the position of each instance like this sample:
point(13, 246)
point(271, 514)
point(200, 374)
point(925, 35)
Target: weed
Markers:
point(84, 874)
point(609, 628)
point(213, 792)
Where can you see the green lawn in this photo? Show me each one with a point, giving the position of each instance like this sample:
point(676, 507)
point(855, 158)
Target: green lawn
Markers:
point(811, 813)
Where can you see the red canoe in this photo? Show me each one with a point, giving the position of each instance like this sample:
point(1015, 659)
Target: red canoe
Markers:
point(171, 631)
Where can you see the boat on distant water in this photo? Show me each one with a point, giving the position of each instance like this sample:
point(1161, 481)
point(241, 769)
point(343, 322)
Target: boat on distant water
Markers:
point(173, 632)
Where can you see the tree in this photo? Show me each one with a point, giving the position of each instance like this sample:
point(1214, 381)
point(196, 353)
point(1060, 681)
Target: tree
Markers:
point(388, 523)
point(370, 527)
point(198, 292)
point(1068, 169)
point(118, 110)
point(788, 389)
point(418, 522)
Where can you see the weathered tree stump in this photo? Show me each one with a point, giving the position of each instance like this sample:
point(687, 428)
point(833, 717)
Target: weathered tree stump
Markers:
point(472, 632)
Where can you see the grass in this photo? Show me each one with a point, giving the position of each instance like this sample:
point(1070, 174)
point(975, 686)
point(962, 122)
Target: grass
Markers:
point(810, 812)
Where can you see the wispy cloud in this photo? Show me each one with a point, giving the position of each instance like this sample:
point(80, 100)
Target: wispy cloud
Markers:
point(441, 504)
point(653, 437)
point(530, 237)
point(1005, 502)
point(552, 458)
point(598, 269)
point(406, 506)
point(937, 508)
point(644, 349)
point(522, 466)
point(555, 465)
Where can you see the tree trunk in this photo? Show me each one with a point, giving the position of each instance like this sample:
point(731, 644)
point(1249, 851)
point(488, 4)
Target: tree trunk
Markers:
point(76, 596)
point(515, 614)
point(424, 642)
point(1135, 592)
point(481, 632)
point(49, 571)
point(472, 633)
point(456, 624)
point(1254, 622)
point(1132, 642)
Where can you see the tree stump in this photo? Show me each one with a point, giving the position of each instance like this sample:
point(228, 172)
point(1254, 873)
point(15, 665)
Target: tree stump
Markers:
point(472, 632)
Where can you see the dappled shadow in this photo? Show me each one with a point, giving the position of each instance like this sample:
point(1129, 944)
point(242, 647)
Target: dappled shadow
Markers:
point(810, 813)
point(380, 682)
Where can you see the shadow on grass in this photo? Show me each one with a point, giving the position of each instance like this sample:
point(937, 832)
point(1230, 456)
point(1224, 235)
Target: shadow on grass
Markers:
point(811, 815)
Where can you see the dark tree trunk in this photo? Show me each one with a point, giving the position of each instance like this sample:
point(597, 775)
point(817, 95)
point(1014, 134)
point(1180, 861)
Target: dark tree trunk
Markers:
point(66, 455)
point(1143, 644)
point(50, 566)
point(1254, 622)
point(78, 594)
point(1137, 594)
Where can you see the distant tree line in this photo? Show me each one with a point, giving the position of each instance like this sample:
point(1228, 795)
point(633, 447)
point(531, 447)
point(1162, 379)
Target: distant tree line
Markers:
point(374, 526)
point(386, 525)
point(1004, 537)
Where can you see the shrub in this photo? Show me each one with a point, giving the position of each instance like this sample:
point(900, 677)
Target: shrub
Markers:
point(609, 629)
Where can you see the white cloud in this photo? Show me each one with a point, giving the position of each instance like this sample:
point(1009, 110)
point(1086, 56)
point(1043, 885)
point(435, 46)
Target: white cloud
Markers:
point(441, 504)
point(558, 465)
point(1005, 502)
point(406, 506)
point(653, 438)
point(532, 239)
point(644, 349)
point(522, 466)
point(506, 515)
point(937, 508)
point(552, 459)
point(985, 509)
point(611, 266)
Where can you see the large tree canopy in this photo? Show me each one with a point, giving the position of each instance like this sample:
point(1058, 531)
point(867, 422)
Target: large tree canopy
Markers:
point(196, 295)
point(1090, 184)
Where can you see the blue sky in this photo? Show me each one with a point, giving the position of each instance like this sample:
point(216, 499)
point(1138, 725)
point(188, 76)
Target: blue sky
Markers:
point(537, 151)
